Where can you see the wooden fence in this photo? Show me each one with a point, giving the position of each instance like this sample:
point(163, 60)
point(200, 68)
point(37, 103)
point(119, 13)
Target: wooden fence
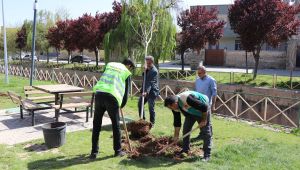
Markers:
point(267, 109)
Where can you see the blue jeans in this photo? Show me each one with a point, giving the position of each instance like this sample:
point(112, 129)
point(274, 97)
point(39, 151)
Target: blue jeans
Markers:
point(206, 132)
point(151, 105)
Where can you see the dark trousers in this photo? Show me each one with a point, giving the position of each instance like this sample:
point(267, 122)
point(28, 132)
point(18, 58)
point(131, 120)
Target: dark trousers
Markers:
point(151, 104)
point(106, 102)
point(206, 131)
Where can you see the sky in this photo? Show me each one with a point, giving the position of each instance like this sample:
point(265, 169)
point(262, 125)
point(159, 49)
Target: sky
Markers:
point(16, 11)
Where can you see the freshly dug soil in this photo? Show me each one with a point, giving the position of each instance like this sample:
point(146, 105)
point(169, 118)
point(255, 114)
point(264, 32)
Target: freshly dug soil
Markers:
point(150, 145)
point(139, 128)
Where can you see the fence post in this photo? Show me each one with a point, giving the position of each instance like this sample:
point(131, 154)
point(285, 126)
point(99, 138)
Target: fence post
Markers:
point(230, 78)
point(75, 79)
point(52, 75)
point(168, 75)
point(236, 105)
point(265, 110)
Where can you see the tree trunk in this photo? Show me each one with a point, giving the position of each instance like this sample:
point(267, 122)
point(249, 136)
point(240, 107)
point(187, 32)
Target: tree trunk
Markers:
point(47, 56)
point(21, 56)
point(57, 56)
point(182, 60)
point(156, 62)
point(246, 63)
point(69, 56)
point(256, 58)
point(96, 55)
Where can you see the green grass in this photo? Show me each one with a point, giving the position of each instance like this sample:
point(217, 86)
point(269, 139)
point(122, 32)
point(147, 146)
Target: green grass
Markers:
point(246, 79)
point(16, 84)
point(236, 146)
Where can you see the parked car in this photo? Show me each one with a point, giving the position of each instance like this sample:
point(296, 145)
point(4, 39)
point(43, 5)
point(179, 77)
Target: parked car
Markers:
point(81, 59)
point(28, 57)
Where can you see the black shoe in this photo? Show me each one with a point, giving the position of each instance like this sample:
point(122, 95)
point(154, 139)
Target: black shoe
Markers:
point(93, 156)
point(120, 153)
point(152, 125)
point(205, 159)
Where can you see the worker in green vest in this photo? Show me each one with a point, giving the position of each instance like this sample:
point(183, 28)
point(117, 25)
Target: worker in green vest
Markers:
point(111, 93)
point(194, 106)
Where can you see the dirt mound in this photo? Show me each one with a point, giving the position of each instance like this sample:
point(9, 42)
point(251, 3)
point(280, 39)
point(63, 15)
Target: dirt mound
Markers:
point(139, 128)
point(149, 146)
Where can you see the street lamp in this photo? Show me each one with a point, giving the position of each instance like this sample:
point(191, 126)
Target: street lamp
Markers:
point(5, 47)
point(33, 41)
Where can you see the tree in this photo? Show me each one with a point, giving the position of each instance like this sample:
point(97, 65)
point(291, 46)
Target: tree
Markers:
point(45, 21)
point(68, 38)
point(86, 29)
point(61, 14)
point(199, 26)
point(21, 40)
point(164, 39)
point(140, 24)
point(258, 22)
point(54, 37)
point(120, 37)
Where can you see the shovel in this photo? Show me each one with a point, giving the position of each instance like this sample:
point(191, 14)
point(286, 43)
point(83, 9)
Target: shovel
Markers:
point(185, 135)
point(143, 90)
point(126, 132)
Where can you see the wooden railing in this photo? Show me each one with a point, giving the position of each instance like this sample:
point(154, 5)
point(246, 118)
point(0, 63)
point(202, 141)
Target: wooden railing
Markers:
point(267, 109)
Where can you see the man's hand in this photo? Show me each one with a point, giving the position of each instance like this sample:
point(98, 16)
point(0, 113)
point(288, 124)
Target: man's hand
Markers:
point(202, 123)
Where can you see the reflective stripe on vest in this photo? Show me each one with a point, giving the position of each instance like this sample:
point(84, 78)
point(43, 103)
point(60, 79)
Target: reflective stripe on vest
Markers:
point(113, 80)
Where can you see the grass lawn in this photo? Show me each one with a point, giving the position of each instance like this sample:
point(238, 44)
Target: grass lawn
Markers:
point(236, 145)
point(16, 84)
point(261, 80)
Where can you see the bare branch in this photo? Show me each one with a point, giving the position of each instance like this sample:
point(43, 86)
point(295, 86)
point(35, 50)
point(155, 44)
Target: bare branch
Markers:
point(135, 29)
point(152, 26)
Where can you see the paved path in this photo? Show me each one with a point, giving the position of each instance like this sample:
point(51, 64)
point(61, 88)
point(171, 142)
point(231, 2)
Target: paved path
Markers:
point(14, 130)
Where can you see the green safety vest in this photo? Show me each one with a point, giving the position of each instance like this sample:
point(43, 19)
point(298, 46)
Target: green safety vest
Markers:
point(113, 80)
point(182, 102)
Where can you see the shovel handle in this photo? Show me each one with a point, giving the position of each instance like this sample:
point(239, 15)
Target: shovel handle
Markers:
point(126, 132)
point(185, 135)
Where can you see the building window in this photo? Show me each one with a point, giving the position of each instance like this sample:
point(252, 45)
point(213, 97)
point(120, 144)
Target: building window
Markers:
point(237, 45)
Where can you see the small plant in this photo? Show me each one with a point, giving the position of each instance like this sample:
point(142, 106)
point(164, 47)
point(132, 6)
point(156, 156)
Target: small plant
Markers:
point(296, 131)
point(263, 83)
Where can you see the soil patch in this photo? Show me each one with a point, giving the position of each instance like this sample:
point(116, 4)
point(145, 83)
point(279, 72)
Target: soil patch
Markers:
point(139, 129)
point(149, 145)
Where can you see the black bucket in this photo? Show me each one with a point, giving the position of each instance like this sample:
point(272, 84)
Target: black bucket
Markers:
point(54, 134)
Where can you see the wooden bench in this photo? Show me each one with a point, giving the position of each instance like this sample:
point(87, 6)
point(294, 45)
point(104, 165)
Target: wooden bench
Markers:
point(76, 100)
point(27, 105)
point(38, 95)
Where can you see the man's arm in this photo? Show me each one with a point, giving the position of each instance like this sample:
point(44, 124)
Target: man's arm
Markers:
point(177, 124)
point(125, 97)
point(203, 121)
point(213, 88)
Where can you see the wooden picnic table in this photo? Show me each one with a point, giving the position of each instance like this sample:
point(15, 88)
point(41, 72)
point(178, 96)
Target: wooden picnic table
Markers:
point(56, 89)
